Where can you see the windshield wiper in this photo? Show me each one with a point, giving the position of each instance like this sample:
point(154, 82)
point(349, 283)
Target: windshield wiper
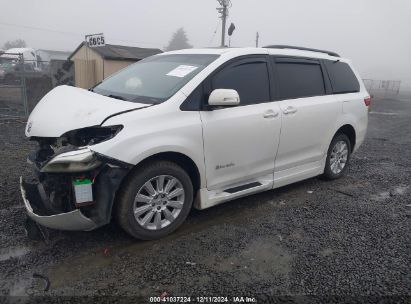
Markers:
point(116, 97)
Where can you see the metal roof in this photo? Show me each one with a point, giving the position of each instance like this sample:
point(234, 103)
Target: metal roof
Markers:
point(121, 52)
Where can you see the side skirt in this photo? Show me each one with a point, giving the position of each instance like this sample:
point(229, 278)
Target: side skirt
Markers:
point(296, 174)
point(206, 198)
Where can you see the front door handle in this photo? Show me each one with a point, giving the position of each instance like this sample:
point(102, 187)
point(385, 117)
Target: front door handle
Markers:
point(289, 110)
point(270, 114)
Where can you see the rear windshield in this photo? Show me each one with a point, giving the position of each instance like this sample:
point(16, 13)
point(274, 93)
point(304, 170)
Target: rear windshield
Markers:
point(154, 79)
point(343, 79)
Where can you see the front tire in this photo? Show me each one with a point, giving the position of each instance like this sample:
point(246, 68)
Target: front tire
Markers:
point(155, 200)
point(338, 157)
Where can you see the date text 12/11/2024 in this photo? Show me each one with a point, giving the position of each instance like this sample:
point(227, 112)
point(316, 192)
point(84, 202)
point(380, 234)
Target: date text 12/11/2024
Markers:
point(202, 299)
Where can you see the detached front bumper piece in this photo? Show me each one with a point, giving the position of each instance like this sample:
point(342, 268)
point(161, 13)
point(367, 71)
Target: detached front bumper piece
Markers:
point(73, 220)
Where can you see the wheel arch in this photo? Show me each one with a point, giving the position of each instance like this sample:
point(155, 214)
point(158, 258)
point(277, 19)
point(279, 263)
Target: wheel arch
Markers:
point(348, 130)
point(180, 159)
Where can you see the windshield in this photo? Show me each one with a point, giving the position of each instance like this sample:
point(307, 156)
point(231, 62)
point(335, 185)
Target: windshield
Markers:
point(155, 79)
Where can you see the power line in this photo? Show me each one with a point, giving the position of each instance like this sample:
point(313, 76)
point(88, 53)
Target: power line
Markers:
point(38, 28)
point(70, 33)
point(138, 42)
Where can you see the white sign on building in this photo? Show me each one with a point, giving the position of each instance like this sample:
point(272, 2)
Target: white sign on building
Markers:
point(95, 40)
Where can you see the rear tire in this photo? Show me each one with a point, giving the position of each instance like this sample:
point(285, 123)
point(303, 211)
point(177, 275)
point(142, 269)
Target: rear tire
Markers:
point(338, 157)
point(155, 200)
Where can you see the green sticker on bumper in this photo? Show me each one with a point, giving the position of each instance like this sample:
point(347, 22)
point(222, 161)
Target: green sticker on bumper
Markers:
point(83, 190)
point(82, 182)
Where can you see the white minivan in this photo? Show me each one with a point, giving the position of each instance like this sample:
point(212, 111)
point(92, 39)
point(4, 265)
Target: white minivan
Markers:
point(188, 128)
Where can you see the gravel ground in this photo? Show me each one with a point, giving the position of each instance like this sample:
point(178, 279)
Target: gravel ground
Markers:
point(346, 240)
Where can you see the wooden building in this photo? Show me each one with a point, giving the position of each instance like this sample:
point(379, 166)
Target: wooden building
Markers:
point(93, 64)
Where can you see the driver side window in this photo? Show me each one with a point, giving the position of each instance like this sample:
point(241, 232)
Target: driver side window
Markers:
point(248, 78)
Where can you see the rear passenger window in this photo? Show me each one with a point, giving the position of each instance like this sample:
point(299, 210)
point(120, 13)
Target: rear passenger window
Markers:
point(249, 79)
point(342, 78)
point(298, 80)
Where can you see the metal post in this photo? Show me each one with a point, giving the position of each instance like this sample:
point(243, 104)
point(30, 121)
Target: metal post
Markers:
point(371, 86)
point(224, 17)
point(385, 86)
point(87, 60)
point(256, 39)
point(224, 13)
point(23, 87)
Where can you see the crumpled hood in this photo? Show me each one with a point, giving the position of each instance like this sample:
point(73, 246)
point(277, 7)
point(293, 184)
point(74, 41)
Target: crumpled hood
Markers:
point(67, 108)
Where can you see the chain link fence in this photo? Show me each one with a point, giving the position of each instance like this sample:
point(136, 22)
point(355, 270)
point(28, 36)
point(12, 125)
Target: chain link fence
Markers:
point(13, 94)
point(382, 88)
point(24, 82)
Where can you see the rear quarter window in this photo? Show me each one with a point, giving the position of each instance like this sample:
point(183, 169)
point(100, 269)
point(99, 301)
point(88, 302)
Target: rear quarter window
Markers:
point(343, 79)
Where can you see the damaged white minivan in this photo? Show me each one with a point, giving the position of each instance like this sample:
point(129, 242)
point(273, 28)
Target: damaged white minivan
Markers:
point(190, 128)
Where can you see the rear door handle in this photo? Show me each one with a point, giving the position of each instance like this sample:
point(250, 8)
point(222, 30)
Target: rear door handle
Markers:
point(289, 110)
point(270, 114)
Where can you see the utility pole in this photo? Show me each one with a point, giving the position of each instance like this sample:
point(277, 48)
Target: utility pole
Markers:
point(224, 14)
point(256, 39)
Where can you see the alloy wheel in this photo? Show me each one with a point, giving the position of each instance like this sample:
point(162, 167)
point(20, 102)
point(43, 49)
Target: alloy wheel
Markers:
point(339, 157)
point(158, 202)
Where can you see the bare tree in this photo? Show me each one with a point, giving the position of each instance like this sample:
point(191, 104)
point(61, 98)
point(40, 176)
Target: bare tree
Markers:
point(18, 43)
point(178, 41)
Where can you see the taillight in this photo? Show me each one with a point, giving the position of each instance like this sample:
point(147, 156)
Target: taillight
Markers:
point(367, 101)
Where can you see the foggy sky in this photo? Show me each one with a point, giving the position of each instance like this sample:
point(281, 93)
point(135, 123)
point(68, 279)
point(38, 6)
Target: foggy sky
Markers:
point(375, 34)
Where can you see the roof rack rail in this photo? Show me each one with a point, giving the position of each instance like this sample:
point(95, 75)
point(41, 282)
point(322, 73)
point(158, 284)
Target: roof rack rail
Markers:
point(300, 48)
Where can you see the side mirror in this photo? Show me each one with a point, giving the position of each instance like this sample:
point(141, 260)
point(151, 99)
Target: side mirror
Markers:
point(224, 97)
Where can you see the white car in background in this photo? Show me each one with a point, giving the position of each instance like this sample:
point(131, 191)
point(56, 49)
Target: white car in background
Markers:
point(194, 127)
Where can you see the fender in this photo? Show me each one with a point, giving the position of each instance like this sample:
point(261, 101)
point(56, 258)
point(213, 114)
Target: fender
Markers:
point(153, 130)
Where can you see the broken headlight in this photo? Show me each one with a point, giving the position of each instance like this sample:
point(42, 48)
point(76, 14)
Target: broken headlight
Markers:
point(74, 161)
point(91, 135)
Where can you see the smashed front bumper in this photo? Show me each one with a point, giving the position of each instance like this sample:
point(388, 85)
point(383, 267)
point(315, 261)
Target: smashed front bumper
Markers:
point(51, 198)
point(73, 220)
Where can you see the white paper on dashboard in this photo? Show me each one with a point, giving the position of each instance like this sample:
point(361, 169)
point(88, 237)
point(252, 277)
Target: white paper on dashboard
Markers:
point(182, 70)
